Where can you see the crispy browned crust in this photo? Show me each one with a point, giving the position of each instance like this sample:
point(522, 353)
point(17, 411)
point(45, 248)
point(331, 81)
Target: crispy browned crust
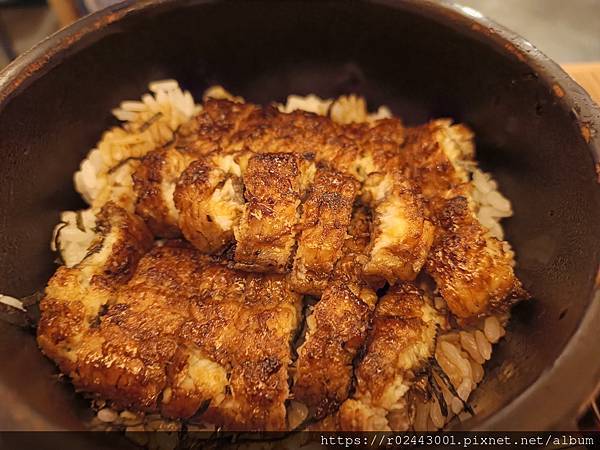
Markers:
point(401, 235)
point(215, 125)
point(266, 233)
point(355, 250)
point(325, 219)
point(386, 134)
point(259, 381)
point(428, 166)
point(234, 127)
point(175, 332)
point(399, 323)
point(195, 199)
point(267, 130)
point(244, 322)
point(379, 145)
point(337, 327)
point(399, 343)
point(154, 181)
point(128, 238)
point(182, 335)
point(194, 187)
point(349, 268)
point(472, 269)
point(76, 297)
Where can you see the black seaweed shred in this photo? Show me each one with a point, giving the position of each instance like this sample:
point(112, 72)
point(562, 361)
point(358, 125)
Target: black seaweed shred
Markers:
point(450, 386)
point(148, 123)
point(79, 221)
point(437, 391)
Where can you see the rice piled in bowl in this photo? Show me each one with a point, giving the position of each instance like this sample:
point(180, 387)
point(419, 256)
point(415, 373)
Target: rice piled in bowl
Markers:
point(105, 175)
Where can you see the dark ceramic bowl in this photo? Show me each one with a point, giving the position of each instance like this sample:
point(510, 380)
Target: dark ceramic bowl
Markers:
point(537, 131)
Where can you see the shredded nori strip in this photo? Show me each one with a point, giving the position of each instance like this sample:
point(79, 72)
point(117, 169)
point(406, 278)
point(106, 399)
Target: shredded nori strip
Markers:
point(450, 386)
point(94, 247)
point(122, 163)
point(438, 394)
point(201, 410)
point(95, 323)
point(79, 221)
point(60, 259)
point(149, 122)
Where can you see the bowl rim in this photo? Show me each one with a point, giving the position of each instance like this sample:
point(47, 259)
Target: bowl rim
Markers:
point(561, 402)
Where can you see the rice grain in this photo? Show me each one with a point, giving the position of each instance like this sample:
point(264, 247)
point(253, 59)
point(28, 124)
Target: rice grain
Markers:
point(484, 346)
point(107, 415)
point(478, 372)
point(492, 329)
point(465, 388)
point(11, 301)
point(421, 416)
point(435, 414)
point(467, 341)
point(453, 354)
point(448, 367)
point(456, 405)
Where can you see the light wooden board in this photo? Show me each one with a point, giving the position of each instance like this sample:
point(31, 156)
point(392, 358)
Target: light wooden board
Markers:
point(587, 75)
point(65, 10)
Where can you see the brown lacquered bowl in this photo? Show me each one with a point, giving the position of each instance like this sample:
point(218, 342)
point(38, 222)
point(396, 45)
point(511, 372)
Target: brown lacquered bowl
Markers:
point(537, 131)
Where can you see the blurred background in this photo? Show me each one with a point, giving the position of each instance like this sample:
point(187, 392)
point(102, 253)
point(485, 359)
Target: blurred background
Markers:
point(567, 31)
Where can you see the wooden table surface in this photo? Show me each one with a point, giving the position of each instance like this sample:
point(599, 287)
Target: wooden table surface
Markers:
point(588, 76)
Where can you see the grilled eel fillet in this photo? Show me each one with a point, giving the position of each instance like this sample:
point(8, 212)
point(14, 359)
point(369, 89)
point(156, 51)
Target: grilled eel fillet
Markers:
point(326, 216)
point(154, 185)
point(210, 200)
point(401, 235)
point(473, 270)
point(171, 331)
point(399, 343)
point(266, 233)
point(431, 159)
point(69, 331)
point(275, 181)
point(336, 328)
